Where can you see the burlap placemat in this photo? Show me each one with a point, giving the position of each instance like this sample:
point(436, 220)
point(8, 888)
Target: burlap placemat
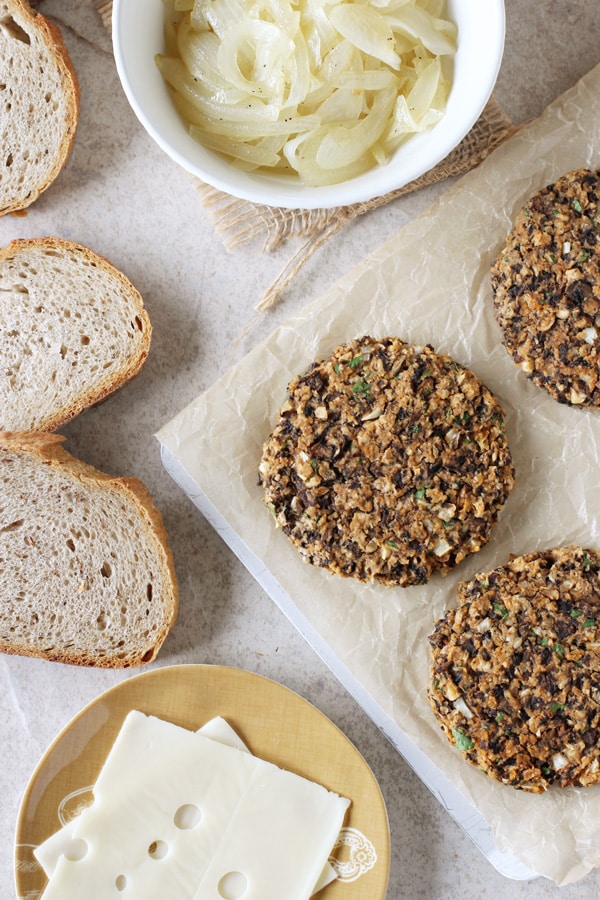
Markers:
point(240, 221)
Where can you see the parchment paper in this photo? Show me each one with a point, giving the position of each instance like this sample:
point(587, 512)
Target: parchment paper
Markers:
point(429, 284)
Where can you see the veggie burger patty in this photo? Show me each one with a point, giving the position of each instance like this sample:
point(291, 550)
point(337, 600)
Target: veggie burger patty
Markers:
point(515, 672)
point(388, 462)
point(546, 284)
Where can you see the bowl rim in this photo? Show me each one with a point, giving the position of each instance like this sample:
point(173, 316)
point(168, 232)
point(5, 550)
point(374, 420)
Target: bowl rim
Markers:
point(133, 26)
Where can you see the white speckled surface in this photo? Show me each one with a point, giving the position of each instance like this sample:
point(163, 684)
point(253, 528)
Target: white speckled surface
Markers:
point(120, 195)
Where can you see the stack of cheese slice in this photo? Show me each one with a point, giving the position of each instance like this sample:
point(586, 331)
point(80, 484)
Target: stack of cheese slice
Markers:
point(181, 814)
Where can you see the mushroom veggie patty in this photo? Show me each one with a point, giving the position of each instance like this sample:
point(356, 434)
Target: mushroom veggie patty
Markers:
point(388, 462)
point(515, 671)
point(546, 284)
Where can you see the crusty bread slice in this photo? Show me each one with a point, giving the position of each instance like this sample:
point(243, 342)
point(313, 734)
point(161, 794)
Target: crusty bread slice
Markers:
point(73, 329)
point(87, 573)
point(39, 104)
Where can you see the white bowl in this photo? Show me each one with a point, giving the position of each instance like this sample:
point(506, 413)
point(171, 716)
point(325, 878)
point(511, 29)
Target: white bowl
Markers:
point(137, 27)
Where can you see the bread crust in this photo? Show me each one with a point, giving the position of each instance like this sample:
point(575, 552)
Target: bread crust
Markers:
point(13, 414)
point(47, 449)
point(51, 37)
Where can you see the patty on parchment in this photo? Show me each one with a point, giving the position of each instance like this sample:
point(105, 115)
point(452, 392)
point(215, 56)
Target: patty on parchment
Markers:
point(388, 462)
point(515, 670)
point(546, 285)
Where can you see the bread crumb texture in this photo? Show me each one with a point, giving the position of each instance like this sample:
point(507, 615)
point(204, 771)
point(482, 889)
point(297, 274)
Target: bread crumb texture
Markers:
point(515, 672)
point(388, 462)
point(39, 104)
point(87, 573)
point(73, 328)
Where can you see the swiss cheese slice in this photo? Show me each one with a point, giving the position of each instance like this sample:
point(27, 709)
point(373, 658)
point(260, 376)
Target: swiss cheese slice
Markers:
point(62, 842)
point(179, 815)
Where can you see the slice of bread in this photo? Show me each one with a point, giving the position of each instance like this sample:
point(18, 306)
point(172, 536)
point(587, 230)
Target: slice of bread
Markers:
point(39, 111)
point(87, 573)
point(73, 329)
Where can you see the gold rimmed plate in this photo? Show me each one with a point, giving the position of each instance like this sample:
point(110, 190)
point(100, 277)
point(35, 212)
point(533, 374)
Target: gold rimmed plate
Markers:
point(274, 722)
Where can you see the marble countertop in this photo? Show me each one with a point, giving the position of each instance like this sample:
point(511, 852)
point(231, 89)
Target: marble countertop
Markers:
point(120, 195)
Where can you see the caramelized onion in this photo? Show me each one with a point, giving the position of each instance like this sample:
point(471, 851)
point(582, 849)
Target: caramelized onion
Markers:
point(324, 89)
